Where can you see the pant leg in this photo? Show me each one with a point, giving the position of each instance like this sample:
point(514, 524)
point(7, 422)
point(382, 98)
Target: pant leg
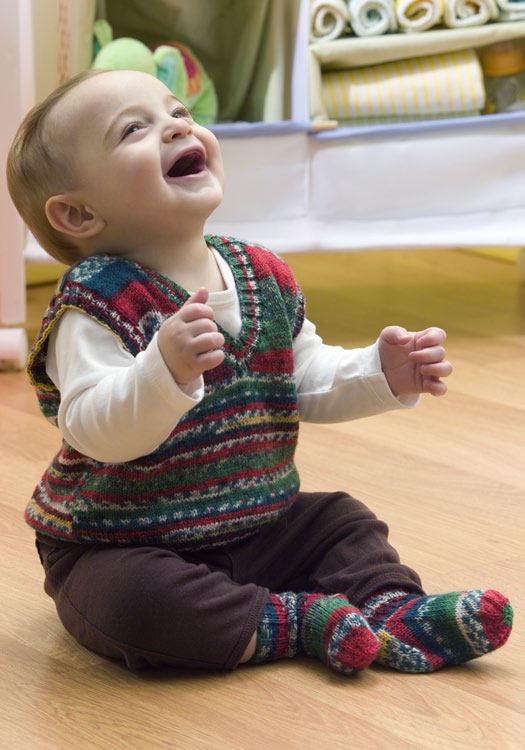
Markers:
point(327, 543)
point(150, 607)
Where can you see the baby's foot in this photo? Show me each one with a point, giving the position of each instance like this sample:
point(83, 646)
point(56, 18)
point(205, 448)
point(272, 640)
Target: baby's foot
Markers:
point(425, 633)
point(327, 627)
point(336, 632)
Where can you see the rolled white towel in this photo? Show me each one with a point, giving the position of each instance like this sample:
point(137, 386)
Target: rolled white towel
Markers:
point(418, 15)
point(372, 17)
point(511, 10)
point(328, 19)
point(465, 13)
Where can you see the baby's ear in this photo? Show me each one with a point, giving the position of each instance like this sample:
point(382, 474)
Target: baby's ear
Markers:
point(70, 216)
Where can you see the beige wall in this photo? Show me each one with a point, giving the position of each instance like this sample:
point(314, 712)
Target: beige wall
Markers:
point(68, 22)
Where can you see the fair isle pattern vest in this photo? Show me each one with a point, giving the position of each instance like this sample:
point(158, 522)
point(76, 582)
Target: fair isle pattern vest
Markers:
point(228, 466)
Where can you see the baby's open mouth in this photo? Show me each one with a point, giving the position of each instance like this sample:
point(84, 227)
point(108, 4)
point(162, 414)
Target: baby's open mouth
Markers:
point(192, 162)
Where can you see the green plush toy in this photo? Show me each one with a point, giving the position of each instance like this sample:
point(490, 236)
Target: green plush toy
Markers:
point(172, 63)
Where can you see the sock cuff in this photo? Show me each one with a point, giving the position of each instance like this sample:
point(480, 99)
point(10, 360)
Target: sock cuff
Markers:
point(384, 600)
point(277, 631)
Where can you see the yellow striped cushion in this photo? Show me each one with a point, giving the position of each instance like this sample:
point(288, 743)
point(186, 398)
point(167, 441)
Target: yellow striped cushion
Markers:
point(435, 84)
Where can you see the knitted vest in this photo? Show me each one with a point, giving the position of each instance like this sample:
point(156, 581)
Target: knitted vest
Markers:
point(228, 466)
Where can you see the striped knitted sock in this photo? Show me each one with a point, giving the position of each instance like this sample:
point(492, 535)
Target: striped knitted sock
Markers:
point(336, 632)
point(425, 633)
point(327, 627)
point(277, 631)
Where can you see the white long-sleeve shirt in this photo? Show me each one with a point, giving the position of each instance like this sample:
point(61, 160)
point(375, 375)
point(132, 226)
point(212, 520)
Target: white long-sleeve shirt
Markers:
point(116, 407)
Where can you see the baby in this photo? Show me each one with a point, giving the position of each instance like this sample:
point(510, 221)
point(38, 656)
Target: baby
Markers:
point(177, 365)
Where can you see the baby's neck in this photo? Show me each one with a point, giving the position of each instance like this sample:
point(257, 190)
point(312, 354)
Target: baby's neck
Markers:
point(205, 273)
point(192, 266)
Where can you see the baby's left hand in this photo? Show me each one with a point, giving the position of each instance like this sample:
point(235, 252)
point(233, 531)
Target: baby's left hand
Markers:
point(414, 362)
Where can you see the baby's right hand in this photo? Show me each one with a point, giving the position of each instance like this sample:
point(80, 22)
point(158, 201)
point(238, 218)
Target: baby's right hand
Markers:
point(189, 341)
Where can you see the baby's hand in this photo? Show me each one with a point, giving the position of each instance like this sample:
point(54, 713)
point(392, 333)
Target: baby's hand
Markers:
point(414, 362)
point(189, 341)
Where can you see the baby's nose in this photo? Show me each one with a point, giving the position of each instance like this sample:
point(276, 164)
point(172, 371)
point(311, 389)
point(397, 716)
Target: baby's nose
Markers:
point(175, 127)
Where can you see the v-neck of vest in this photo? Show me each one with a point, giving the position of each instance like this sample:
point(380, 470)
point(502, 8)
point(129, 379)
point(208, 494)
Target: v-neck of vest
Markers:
point(247, 289)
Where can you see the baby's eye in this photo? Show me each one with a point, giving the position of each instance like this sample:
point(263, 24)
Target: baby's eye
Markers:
point(181, 112)
point(131, 128)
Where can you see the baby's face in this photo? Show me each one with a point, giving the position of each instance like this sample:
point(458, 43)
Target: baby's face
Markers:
point(139, 158)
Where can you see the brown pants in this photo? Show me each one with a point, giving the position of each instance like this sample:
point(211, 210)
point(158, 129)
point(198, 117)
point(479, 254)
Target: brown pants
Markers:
point(152, 606)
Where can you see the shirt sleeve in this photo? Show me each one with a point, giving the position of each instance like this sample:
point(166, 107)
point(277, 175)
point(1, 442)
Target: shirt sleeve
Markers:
point(114, 407)
point(338, 385)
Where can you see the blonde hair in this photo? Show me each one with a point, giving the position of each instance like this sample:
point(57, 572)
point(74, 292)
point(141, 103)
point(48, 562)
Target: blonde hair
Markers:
point(37, 169)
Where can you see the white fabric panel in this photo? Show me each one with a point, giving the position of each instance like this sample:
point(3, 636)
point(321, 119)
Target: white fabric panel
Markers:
point(434, 185)
point(266, 178)
point(411, 172)
point(504, 228)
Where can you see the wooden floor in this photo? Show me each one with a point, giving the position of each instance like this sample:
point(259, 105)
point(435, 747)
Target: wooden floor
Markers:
point(448, 477)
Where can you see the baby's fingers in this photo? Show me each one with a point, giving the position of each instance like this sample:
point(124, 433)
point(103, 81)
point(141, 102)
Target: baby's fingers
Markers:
point(210, 359)
point(430, 337)
point(195, 307)
point(434, 386)
point(436, 370)
point(206, 342)
point(428, 355)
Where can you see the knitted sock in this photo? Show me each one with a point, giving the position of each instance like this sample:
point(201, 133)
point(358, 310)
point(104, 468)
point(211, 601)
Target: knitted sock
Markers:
point(277, 631)
point(424, 633)
point(327, 627)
